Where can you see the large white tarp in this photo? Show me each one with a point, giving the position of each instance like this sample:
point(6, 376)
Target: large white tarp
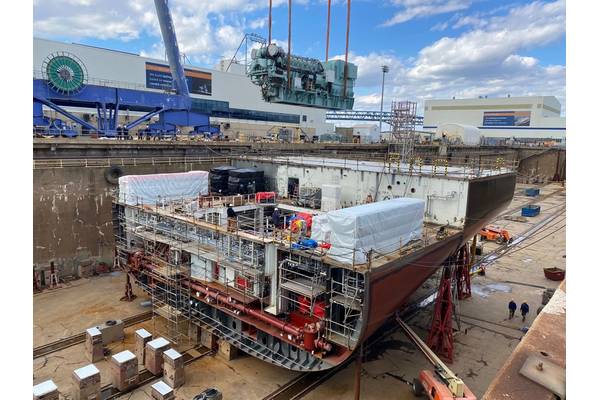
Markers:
point(382, 227)
point(320, 228)
point(158, 188)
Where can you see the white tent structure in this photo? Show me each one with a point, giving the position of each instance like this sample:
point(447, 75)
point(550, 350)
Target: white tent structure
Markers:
point(459, 133)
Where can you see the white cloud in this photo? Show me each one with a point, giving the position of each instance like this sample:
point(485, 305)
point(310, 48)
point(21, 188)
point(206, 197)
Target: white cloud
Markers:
point(206, 30)
point(486, 61)
point(490, 58)
point(412, 9)
point(478, 51)
point(440, 26)
point(469, 20)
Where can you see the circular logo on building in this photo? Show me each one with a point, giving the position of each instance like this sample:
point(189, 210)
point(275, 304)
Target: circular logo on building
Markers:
point(66, 74)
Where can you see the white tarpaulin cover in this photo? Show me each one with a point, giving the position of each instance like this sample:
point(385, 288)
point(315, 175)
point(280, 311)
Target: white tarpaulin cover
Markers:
point(383, 227)
point(155, 188)
point(320, 228)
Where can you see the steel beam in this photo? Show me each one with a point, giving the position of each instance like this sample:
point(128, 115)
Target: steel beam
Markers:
point(67, 114)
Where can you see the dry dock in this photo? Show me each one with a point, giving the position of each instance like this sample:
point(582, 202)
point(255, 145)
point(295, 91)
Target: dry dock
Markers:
point(482, 347)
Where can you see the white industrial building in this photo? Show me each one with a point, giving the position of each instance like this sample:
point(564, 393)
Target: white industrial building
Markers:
point(532, 117)
point(365, 133)
point(248, 112)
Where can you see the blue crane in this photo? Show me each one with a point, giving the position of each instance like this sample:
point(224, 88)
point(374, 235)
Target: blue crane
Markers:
point(64, 85)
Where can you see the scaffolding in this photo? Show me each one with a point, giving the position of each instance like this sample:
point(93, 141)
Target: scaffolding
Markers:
point(302, 286)
point(347, 296)
point(403, 122)
point(155, 242)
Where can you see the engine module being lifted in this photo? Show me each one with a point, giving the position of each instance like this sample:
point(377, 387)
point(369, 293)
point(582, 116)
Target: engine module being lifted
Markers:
point(313, 83)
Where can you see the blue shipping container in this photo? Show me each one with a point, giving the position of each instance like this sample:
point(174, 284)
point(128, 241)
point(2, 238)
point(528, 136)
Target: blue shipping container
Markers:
point(530, 211)
point(532, 192)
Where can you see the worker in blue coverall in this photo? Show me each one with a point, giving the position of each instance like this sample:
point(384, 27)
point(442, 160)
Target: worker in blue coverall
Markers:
point(524, 310)
point(512, 307)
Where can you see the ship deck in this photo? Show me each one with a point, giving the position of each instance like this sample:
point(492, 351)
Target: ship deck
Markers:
point(282, 238)
point(440, 167)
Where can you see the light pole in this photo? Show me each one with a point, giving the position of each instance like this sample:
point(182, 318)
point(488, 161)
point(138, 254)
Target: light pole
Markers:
point(384, 69)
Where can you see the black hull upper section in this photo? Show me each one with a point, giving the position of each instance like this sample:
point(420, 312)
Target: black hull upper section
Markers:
point(487, 198)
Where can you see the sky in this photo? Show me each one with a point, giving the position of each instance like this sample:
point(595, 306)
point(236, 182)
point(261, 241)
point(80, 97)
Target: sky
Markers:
point(435, 49)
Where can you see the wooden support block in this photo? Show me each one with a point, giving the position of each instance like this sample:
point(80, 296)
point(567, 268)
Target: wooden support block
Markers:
point(227, 350)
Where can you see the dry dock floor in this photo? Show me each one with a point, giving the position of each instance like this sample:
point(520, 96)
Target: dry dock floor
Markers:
point(486, 340)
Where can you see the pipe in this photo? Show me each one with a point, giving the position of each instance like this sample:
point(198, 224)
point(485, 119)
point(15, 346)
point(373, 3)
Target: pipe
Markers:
point(270, 12)
point(170, 40)
point(346, 56)
point(289, 52)
point(328, 25)
point(302, 335)
point(266, 318)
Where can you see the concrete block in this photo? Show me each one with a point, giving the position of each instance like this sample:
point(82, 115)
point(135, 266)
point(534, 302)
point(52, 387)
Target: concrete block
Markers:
point(94, 349)
point(112, 331)
point(46, 390)
point(194, 332)
point(227, 350)
point(162, 391)
point(124, 370)
point(142, 337)
point(173, 373)
point(86, 383)
point(85, 269)
point(154, 355)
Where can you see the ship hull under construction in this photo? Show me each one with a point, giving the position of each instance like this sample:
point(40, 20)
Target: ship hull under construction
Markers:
point(295, 308)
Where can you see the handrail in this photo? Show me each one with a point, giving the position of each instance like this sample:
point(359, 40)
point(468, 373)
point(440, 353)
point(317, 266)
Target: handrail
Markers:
point(121, 161)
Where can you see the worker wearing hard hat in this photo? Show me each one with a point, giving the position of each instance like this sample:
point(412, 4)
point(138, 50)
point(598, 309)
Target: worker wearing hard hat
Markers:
point(276, 218)
point(231, 219)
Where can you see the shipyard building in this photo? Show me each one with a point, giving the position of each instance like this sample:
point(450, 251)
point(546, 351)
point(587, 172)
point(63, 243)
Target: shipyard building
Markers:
point(233, 102)
point(533, 117)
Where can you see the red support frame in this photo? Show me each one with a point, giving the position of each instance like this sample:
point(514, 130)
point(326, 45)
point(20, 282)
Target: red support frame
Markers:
point(440, 338)
point(463, 273)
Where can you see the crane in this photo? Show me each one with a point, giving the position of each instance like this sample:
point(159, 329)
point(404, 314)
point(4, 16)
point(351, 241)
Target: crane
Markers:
point(441, 383)
point(64, 83)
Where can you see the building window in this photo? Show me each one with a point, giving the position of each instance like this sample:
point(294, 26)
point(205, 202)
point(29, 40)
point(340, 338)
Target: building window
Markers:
point(304, 118)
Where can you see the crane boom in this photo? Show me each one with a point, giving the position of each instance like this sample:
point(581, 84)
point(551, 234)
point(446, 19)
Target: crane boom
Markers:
point(455, 385)
point(167, 30)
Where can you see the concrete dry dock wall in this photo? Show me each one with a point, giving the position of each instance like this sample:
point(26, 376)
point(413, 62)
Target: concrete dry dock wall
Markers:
point(72, 212)
point(545, 165)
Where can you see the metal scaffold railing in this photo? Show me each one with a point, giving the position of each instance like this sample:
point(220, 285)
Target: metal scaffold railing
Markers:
point(302, 286)
point(347, 295)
